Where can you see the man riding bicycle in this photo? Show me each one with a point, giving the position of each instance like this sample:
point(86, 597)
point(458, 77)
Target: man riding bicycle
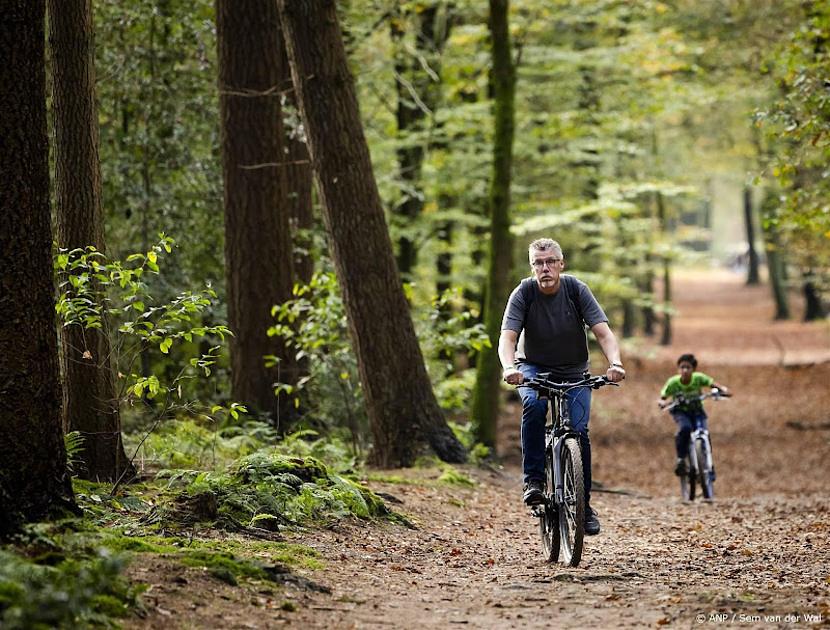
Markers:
point(543, 330)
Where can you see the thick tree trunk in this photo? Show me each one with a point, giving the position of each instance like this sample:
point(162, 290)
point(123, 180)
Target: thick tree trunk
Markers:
point(33, 475)
point(258, 248)
point(752, 255)
point(90, 403)
point(485, 407)
point(401, 405)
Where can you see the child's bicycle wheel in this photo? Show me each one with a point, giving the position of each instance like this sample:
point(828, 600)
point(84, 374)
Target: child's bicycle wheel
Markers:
point(688, 481)
point(704, 474)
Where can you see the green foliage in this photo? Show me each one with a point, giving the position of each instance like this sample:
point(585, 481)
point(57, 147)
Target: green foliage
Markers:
point(452, 476)
point(74, 593)
point(314, 325)
point(798, 126)
point(73, 443)
point(91, 287)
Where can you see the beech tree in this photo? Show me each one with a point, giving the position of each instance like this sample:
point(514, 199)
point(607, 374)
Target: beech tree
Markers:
point(33, 475)
point(402, 409)
point(90, 403)
point(258, 246)
point(486, 393)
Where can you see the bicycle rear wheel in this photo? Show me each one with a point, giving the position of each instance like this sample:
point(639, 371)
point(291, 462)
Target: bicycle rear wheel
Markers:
point(572, 510)
point(549, 522)
point(704, 473)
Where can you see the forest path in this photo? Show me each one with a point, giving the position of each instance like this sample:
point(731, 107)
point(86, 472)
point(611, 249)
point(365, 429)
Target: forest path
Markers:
point(759, 555)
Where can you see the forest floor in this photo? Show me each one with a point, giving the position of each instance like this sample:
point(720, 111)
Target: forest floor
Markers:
point(758, 556)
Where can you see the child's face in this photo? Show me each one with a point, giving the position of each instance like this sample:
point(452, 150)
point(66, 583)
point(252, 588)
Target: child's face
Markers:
point(685, 369)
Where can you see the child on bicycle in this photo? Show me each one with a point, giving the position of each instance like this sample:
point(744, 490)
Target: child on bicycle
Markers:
point(685, 386)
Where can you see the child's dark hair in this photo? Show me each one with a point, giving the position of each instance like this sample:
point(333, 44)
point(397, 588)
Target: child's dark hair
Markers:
point(688, 358)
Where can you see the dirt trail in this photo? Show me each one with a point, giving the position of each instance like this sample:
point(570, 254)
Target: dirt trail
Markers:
point(759, 556)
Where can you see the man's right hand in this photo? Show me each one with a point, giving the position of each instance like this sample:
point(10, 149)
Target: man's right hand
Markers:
point(512, 376)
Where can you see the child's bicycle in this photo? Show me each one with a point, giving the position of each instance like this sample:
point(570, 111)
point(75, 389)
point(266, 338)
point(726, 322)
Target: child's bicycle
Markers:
point(700, 467)
point(562, 514)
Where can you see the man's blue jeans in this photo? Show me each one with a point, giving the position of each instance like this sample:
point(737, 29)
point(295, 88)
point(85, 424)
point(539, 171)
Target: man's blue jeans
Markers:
point(534, 414)
point(687, 421)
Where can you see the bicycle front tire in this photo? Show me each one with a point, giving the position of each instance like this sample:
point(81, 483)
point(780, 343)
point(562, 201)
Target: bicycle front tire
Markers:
point(704, 474)
point(549, 522)
point(572, 510)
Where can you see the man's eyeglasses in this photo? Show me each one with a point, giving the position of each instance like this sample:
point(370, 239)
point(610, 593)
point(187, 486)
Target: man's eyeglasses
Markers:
point(540, 264)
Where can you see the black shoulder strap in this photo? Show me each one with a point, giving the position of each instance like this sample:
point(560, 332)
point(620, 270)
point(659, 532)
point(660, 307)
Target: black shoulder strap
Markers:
point(528, 294)
point(572, 293)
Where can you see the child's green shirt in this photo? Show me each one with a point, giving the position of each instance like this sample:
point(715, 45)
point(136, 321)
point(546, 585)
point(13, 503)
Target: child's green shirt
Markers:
point(673, 386)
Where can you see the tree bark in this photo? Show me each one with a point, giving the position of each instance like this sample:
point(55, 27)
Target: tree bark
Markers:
point(666, 333)
point(90, 402)
point(33, 474)
point(402, 409)
point(775, 260)
point(486, 392)
point(258, 247)
point(752, 277)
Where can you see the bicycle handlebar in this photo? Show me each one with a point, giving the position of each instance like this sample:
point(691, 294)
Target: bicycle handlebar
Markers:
point(714, 394)
point(542, 383)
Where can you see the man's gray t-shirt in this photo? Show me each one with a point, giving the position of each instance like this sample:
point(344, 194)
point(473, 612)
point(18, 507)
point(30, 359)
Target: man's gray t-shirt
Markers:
point(551, 332)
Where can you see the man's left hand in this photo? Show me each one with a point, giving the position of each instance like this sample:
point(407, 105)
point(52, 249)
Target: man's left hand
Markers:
point(615, 373)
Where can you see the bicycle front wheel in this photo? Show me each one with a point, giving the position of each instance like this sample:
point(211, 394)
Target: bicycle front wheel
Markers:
point(688, 480)
point(548, 521)
point(572, 510)
point(704, 472)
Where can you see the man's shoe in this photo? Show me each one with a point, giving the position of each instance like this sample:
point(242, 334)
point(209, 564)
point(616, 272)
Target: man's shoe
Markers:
point(591, 521)
point(534, 492)
point(680, 468)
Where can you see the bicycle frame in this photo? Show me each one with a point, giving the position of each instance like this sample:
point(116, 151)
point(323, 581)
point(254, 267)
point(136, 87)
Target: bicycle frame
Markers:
point(556, 432)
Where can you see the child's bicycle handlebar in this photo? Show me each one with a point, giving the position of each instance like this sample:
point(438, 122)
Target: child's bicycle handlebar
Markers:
point(680, 399)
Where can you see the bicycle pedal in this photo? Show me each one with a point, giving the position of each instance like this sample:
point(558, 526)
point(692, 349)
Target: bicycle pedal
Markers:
point(537, 511)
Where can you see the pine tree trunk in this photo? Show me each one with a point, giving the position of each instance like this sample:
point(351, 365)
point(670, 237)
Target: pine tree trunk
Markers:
point(752, 277)
point(485, 407)
point(401, 405)
point(33, 475)
point(90, 401)
point(258, 248)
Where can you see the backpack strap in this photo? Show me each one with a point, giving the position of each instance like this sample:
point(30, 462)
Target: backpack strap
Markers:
point(572, 293)
point(528, 290)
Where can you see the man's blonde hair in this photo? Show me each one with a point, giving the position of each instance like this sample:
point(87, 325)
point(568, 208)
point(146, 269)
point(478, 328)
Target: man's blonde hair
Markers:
point(543, 245)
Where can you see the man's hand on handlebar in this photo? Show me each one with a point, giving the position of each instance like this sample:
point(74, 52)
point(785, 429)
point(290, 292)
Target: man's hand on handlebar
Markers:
point(615, 373)
point(512, 376)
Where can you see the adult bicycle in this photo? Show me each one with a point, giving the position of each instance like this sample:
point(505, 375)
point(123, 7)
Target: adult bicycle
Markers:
point(699, 465)
point(562, 512)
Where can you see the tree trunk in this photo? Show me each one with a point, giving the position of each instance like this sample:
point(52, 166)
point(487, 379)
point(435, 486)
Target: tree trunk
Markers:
point(775, 260)
point(298, 179)
point(401, 405)
point(666, 334)
point(33, 475)
point(752, 255)
point(90, 402)
point(485, 407)
point(258, 248)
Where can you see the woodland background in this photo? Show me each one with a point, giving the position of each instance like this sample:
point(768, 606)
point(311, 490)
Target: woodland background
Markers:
point(279, 244)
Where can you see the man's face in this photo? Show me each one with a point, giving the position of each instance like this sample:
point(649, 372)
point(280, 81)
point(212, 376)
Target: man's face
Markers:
point(547, 265)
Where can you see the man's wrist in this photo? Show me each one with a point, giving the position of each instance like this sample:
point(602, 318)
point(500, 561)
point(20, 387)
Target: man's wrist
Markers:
point(617, 364)
point(509, 367)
